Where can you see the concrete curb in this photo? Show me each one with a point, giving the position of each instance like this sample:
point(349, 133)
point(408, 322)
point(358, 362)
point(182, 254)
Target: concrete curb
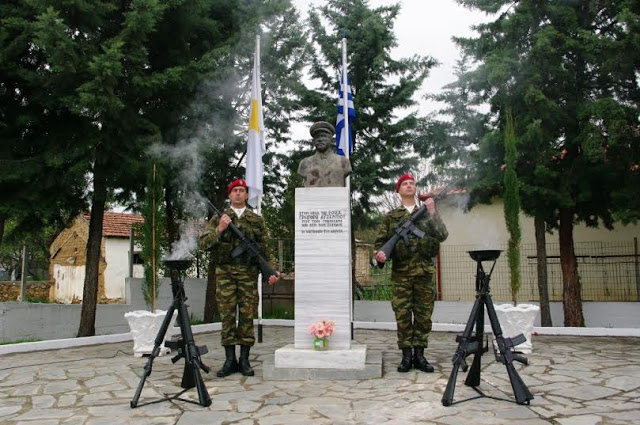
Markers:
point(56, 344)
point(454, 327)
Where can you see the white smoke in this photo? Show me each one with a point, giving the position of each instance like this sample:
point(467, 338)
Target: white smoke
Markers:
point(188, 242)
point(186, 159)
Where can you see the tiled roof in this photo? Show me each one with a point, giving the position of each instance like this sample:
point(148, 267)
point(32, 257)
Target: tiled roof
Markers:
point(117, 224)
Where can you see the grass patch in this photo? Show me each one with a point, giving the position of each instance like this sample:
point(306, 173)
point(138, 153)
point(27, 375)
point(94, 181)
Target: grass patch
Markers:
point(193, 321)
point(38, 300)
point(380, 287)
point(377, 293)
point(20, 341)
point(278, 312)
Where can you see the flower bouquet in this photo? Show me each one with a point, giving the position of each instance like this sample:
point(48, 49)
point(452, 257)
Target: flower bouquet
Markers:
point(321, 331)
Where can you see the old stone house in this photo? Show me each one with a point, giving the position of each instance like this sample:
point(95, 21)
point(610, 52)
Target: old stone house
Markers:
point(68, 258)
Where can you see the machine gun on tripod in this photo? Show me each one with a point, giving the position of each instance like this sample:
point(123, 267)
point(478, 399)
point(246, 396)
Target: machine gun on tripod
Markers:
point(247, 247)
point(473, 344)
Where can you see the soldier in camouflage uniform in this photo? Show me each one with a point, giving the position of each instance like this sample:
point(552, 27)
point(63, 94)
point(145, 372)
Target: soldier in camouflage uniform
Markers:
point(237, 282)
point(412, 273)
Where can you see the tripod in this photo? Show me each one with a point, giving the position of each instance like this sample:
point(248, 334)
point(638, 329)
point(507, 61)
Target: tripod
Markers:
point(185, 346)
point(473, 344)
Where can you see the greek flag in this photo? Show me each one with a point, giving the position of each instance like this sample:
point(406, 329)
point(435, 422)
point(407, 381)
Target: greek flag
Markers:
point(340, 130)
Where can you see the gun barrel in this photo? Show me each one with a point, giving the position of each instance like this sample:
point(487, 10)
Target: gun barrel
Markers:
point(424, 196)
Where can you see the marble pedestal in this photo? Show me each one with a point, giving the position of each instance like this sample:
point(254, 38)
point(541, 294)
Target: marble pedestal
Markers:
point(516, 320)
point(322, 285)
point(145, 326)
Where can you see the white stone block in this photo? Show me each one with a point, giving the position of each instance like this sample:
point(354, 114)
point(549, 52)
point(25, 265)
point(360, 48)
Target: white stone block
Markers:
point(303, 358)
point(323, 268)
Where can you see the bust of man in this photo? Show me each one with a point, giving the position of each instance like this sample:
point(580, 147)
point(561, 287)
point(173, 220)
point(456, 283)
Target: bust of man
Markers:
point(324, 168)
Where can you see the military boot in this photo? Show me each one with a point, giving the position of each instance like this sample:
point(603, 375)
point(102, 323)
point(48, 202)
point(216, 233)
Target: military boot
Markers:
point(419, 362)
point(230, 364)
point(405, 363)
point(245, 367)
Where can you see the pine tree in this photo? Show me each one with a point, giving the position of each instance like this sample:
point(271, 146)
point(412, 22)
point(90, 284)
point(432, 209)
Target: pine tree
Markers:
point(450, 140)
point(568, 72)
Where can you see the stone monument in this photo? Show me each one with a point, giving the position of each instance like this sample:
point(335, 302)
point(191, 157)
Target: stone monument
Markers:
point(323, 273)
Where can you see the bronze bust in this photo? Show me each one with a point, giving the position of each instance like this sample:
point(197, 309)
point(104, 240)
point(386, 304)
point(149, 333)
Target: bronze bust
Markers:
point(324, 168)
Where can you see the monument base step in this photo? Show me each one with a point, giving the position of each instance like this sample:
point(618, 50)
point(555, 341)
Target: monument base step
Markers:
point(372, 369)
point(308, 358)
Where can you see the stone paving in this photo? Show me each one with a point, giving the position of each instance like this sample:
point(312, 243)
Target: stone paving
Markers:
point(575, 380)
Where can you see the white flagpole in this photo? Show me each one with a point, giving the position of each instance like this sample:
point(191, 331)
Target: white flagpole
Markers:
point(346, 148)
point(256, 58)
point(345, 99)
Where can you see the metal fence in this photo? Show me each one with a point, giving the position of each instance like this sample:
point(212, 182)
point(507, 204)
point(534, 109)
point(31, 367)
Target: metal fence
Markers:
point(609, 271)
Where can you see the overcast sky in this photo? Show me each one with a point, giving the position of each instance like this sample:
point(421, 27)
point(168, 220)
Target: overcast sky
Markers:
point(425, 27)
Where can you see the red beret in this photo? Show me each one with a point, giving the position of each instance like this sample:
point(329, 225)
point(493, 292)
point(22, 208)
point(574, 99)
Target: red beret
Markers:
point(237, 182)
point(405, 176)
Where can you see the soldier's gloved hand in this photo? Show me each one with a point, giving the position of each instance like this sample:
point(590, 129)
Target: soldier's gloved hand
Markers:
point(380, 256)
point(274, 278)
point(224, 222)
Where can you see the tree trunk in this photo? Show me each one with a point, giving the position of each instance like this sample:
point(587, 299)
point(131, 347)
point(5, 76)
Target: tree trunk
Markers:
point(90, 291)
point(3, 218)
point(211, 302)
point(543, 288)
point(571, 298)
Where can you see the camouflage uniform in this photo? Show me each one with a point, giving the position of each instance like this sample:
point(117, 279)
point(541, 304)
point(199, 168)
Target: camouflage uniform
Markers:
point(412, 273)
point(237, 282)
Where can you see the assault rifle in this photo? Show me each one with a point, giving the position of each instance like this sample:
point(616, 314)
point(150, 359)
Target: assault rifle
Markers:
point(247, 246)
point(409, 228)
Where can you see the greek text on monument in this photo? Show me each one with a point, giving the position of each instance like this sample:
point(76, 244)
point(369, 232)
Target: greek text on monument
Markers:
point(322, 221)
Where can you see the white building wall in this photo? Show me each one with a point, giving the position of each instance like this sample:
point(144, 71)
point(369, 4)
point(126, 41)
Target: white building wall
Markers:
point(117, 270)
point(69, 281)
point(484, 227)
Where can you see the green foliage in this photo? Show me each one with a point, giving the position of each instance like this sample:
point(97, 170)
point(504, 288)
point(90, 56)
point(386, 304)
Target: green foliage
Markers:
point(42, 158)
point(568, 71)
point(193, 321)
point(378, 293)
point(151, 234)
point(512, 207)
point(19, 341)
point(87, 87)
point(37, 242)
point(278, 211)
point(208, 130)
point(280, 312)
point(38, 300)
point(452, 142)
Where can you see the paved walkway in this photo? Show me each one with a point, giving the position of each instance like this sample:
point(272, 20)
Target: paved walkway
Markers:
point(575, 380)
